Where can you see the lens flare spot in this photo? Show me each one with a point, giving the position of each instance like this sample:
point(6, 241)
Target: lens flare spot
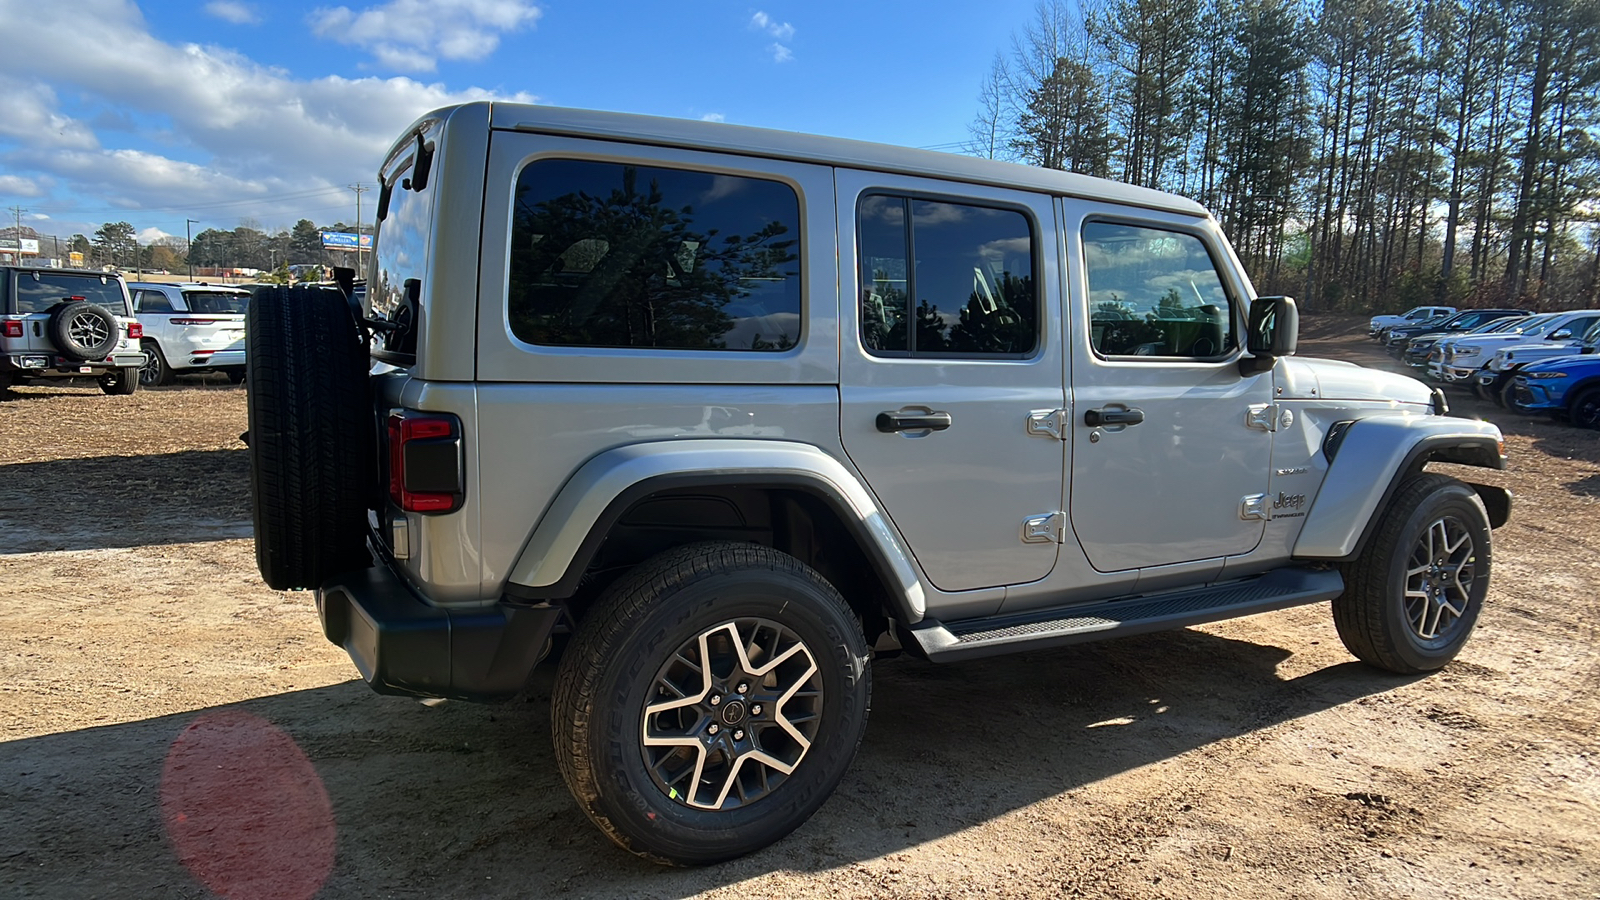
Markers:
point(245, 810)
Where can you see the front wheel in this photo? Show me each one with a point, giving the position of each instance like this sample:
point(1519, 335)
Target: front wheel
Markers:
point(711, 702)
point(1413, 595)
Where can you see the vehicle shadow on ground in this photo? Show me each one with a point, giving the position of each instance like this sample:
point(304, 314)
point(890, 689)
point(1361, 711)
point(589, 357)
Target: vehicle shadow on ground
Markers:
point(124, 501)
point(452, 799)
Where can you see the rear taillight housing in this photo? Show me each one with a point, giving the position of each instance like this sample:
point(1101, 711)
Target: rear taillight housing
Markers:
point(135, 330)
point(12, 329)
point(426, 468)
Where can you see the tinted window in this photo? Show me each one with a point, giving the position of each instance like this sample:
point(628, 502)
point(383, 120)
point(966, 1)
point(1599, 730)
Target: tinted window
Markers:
point(611, 255)
point(215, 302)
point(152, 302)
point(38, 291)
point(1154, 293)
point(971, 290)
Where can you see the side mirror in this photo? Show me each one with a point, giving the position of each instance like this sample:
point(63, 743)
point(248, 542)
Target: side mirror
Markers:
point(1274, 331)
point(1560, 335)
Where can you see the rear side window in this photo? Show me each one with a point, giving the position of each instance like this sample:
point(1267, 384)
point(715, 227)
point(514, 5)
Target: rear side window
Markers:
point(37, 292)
point(970, 292)
point(152, 302)
point(215, 302)
point(613, 255)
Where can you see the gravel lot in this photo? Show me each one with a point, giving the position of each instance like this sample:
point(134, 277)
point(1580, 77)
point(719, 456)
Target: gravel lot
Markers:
point(173, 728)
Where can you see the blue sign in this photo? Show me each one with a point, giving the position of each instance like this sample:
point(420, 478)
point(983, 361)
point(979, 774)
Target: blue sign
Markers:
point(344, 240)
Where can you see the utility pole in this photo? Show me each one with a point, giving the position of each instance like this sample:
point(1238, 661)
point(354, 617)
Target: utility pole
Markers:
point(359, 189)
point(188, 248)
point(17, 235)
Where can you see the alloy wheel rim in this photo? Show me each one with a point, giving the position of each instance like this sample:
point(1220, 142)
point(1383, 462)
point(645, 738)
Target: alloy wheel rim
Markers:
point(731, 714)
point(150, 372)
point(88, 330)
point(1439, 579)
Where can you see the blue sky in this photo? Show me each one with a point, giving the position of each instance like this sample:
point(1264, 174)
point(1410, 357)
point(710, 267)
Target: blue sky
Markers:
point(246, 110)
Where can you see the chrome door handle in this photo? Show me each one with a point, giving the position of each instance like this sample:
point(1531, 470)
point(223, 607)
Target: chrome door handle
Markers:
point(1097, 417)
point(893, 421)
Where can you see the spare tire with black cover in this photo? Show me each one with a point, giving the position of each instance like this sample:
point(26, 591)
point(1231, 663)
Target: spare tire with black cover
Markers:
point(83, 330)
point(312, 446)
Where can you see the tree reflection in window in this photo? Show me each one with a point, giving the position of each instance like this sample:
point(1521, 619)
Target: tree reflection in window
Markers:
point(1154, 292)
point(611, 255)
point(973, 278)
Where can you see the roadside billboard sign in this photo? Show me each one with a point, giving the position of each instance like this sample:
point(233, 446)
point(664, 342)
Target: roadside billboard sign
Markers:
point(30, 246)
point(344, 240)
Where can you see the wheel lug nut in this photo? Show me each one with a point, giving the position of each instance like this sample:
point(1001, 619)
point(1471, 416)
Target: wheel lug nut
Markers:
point(713, 729)
point(755, 710)
point(744, 688)
point(715, 700)
point(738, 735)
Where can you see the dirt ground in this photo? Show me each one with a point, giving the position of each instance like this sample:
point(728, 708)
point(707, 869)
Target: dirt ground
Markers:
point(173, 728)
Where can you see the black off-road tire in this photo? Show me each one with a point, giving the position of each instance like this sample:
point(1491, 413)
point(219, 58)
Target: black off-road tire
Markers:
point(155, 370)
point(1584, 408)
point(83, 331)
point(1375, 618)
point(312, 443)
point(120, 382)
point(611, 671)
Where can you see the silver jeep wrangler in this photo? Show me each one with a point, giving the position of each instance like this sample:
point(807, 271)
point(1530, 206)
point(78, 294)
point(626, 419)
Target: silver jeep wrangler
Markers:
point(721, 414)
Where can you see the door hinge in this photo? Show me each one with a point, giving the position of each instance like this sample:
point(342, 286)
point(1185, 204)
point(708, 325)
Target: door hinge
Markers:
point(1046, 529)
point(1254, 506)
point(1262, 415)
point(1048, 423)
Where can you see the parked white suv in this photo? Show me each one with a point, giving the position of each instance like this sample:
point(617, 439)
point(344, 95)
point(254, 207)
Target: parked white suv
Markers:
point(715, 415)
point(189, 329)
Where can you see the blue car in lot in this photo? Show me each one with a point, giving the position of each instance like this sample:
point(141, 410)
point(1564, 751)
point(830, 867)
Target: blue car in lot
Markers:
point(1566, 387)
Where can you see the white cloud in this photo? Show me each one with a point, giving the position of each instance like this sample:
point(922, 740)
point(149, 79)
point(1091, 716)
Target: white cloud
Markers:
point(780, 53)
point(763, 22)
point(27, 113)
point(233, 11)
point(151, 235)
point(713, 117)
point(17, 186)
point(412, 35)
point(242, 139)
point(38, 217)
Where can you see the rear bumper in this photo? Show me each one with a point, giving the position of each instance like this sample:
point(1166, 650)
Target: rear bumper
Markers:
point(47, 364)
point(403, 645)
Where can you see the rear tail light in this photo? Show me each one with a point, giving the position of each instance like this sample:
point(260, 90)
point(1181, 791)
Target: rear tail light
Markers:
point(135, 330)
point(13, 329)
point(426, 472)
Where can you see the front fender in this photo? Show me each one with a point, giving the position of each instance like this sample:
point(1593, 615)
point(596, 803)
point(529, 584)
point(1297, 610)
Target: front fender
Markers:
point(1371, 459)
point(605, 486)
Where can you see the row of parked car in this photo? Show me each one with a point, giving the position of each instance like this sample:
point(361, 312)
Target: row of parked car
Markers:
point(74, 323)
point(1529, 362)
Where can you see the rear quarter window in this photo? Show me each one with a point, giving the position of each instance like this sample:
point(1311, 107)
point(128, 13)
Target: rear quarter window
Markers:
point(629, 256)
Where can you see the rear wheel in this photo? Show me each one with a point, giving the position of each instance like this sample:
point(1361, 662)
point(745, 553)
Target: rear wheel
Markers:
point(312, 444)
point(1413, 595)
point(711, 702)
point(120, 381)
point(155, 370)
point(1584, 409)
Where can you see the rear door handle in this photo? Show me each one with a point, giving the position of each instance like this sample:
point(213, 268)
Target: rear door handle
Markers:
point(891, 422)
point(1096, 417)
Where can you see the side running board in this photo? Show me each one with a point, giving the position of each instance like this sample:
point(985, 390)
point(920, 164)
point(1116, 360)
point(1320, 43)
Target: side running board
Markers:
point(1037, 629)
